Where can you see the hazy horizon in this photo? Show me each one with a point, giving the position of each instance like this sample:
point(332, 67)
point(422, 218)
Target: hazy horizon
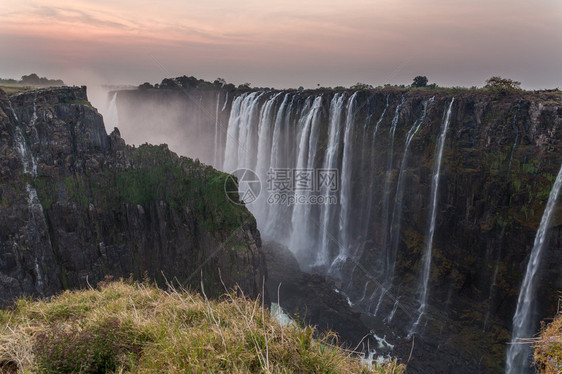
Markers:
point(285, 44)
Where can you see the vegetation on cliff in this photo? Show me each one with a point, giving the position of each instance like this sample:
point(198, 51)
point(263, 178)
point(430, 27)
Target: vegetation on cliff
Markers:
point(138, 328)
point(77, 204)
point(28, 82)
point(548, 347)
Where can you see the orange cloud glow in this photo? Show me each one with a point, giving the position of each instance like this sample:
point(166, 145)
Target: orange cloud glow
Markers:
point(288, 43)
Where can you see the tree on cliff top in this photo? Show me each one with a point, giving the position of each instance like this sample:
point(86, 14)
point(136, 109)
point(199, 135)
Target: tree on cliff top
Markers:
point(34, 80)
point(502, 86)
point(420, 81)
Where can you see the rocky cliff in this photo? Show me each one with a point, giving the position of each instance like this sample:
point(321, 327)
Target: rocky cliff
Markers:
point(77, 205)
point(500, 157)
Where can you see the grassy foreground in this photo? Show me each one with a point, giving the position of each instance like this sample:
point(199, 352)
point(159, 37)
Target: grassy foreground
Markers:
point(548, 348)
point(138, 328)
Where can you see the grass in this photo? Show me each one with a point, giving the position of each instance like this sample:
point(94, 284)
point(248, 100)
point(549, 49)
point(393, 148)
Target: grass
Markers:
point(548, 347)
point(125, 327)
point(15, 88)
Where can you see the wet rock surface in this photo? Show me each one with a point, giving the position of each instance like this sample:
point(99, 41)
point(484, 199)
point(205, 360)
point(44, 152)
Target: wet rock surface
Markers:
point(77, 205)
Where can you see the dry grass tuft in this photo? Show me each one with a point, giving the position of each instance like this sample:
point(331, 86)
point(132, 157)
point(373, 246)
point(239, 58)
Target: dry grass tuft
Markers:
point(138, 328)
point(548, 347)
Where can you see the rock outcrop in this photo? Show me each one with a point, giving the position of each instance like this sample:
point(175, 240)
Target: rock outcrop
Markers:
point(77, 205)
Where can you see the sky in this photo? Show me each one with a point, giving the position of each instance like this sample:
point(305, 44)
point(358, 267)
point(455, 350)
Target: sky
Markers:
point(285, 44)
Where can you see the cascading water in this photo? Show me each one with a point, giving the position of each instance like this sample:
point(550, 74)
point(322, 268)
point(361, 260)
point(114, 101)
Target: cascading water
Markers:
point(346, 178)
point(330, 162)
point(301, 237)
point(394, 231)
point(524, 323)
point(387, 182)
point(112, 117)
point(263, 156)
point(216, 142)
point(426, 267)
point(293, 131)
point(371, 180)
point(276, 226)
point(26, 156)
point(386, 200)
point(247, 135)
point(232, 147)
point(29, 163)
point(391, 200)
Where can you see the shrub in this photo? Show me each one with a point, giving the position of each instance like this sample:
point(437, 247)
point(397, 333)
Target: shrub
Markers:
point(548, 348)
point(502, 86)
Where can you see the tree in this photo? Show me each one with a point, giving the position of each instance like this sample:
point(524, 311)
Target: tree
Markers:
point(146, 86)
point(31, 79)
point(502, 85)
point(219, 82)
point(361, 86)
point(420, 81)
point(34, 80)
point(168, 83)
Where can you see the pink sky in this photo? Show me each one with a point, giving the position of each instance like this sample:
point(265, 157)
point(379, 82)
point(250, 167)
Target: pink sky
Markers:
point(285, 43)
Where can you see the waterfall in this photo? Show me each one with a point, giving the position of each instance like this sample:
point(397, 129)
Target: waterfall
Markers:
point(346, 177)
point(112, 115)
point(301, 237)
point(386, 193)
point(276, 227)
point(524, 324)
point(387, 182)
point(37, 218)
point(225, 102)
point(263, 156)
point(330, 162)
point(399, 198)
point(216, 143)
point(247, 135)
point(29, 163)
point(370, 190)
point(26, 156)
point(433, 215)
point(231, 148)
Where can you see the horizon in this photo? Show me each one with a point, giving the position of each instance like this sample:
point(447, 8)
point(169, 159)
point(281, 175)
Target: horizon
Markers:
point(285, 44)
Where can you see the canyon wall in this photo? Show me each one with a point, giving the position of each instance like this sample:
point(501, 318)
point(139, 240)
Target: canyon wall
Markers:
point(439, 199)
point(77, 205)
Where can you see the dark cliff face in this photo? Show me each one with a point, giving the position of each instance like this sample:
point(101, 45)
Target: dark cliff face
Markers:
point(500, 158)
point(77, 205)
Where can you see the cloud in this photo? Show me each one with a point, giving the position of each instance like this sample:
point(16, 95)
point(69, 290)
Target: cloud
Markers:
point(284, 42)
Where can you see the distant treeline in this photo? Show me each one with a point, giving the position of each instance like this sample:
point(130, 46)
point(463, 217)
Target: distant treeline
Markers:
point(192, 82)
point(33, 80)
point(185, 82)
point(497, 85)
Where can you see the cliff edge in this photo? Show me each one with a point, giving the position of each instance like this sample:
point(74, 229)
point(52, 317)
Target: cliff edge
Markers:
point(77, 205)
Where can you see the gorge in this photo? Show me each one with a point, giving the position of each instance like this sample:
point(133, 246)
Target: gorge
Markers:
point(440, 197)
point(431, 216)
